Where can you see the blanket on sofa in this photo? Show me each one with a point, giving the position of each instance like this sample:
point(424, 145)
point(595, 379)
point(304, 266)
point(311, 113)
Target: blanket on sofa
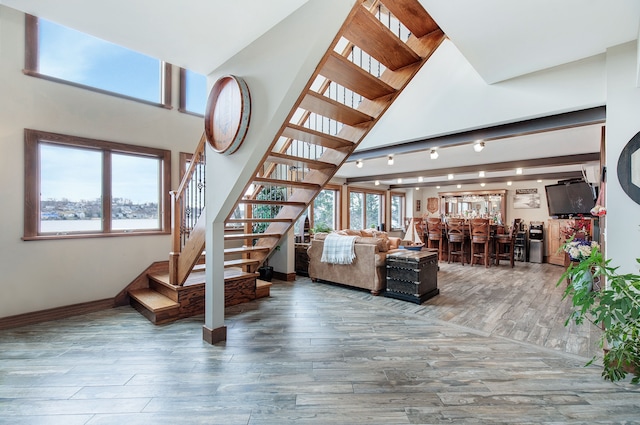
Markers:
point(338, 249)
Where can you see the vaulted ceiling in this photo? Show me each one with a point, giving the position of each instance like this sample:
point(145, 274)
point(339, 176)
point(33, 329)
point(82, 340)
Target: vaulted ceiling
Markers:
point(499, 39)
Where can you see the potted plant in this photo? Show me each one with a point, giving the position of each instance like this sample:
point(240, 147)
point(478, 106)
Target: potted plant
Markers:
point(614, 308)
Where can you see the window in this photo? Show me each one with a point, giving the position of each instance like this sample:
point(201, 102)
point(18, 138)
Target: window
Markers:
point(397, 210)
point(326, 208)
point(193, 92)
point(83, 187)
point(366, 209)
point(63, 54)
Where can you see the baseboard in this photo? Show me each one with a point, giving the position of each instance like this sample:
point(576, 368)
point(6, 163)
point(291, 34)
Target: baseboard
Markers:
point(57, 313)
point(287, 277)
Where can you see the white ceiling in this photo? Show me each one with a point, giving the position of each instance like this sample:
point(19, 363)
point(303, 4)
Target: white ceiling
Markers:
point(501, 39)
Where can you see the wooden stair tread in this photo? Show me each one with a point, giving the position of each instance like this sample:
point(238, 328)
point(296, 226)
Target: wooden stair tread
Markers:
point(282, 158)
point(236, 274)
point(246, 249)
point(369, 34)
point(251, 236)
point(260, 220)
point(342, 71)
point(262, 283)
point(322, 105)
point(314, 137)
point(241, 262)
point(152, 300)
point(413, 16)
point(291, 183)
point(270, 202)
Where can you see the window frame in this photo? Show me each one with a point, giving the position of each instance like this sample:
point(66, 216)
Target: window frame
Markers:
point(366, 192)
point(33, 138)
point(31, 68)
point(402, 212)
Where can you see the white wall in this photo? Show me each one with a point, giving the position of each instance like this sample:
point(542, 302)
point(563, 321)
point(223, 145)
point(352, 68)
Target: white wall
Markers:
point(448, 96)
point(623, 109)
point(38, 275)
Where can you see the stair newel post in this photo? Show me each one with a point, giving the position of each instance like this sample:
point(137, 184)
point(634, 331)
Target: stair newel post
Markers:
point(174, 254)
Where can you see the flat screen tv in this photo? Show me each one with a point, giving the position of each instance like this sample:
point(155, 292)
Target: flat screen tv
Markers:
point(570, 199)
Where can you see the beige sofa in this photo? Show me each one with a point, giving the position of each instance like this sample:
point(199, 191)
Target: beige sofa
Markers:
point(368, 269)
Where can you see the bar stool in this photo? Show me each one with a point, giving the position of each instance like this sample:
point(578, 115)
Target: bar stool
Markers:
point(479, 235)
point(456, 237)
point(434, 235)
point(504, 240)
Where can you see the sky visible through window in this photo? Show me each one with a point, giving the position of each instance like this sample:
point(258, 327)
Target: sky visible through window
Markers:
point(78, 57)
point(76, 174)
point(196, 96)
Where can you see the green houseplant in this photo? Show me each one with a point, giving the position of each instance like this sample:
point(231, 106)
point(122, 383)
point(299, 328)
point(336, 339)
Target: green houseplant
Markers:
point(615, 308)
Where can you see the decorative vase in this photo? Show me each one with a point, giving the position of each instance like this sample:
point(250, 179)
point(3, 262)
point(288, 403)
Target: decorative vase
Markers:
point(583, 280)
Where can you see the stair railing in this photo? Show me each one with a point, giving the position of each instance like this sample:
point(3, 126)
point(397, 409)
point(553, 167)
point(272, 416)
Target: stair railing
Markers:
point(187, 206)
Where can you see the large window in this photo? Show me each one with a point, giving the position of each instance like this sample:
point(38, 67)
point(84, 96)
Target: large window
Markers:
point(193, 92)
point(83, 187)
point(366, 209)
point(65, 55)
point(326, 208)
point(397, 210)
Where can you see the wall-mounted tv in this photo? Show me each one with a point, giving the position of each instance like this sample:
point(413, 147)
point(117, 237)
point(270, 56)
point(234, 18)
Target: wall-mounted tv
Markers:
point(570, 199)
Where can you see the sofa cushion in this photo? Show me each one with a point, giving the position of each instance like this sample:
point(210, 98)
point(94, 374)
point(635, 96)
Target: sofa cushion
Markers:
point(380, 243)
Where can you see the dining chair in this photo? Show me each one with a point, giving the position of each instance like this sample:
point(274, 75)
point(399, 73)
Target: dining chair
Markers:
point(504, 241)
point(456, 239)
point(479, 235)
point(434, 235)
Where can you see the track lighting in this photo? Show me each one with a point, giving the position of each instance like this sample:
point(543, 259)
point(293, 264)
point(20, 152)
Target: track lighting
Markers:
point(390, 160)
point(433, 154)
point(359, 163)
point(478, 146)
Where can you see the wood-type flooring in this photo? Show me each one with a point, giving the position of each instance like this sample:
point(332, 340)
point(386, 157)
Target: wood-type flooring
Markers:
point(490, 349)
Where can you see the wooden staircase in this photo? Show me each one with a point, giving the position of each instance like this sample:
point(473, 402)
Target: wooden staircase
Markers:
point(378, 50)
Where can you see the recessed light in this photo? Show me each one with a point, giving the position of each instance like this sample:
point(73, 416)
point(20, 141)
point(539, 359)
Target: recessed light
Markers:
point(359, 163)
point(399, 181)
point(478, 146)
point(433, 154)
point(509, 183)
point(450, 177)
point(481, 174)
point(539, 181)
point(377, 183)
point(437, 187)
point(417, 188)
point(390, 160)
point(459, 186)
point(483, 184)
point(420, 179)
point(518, 170)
